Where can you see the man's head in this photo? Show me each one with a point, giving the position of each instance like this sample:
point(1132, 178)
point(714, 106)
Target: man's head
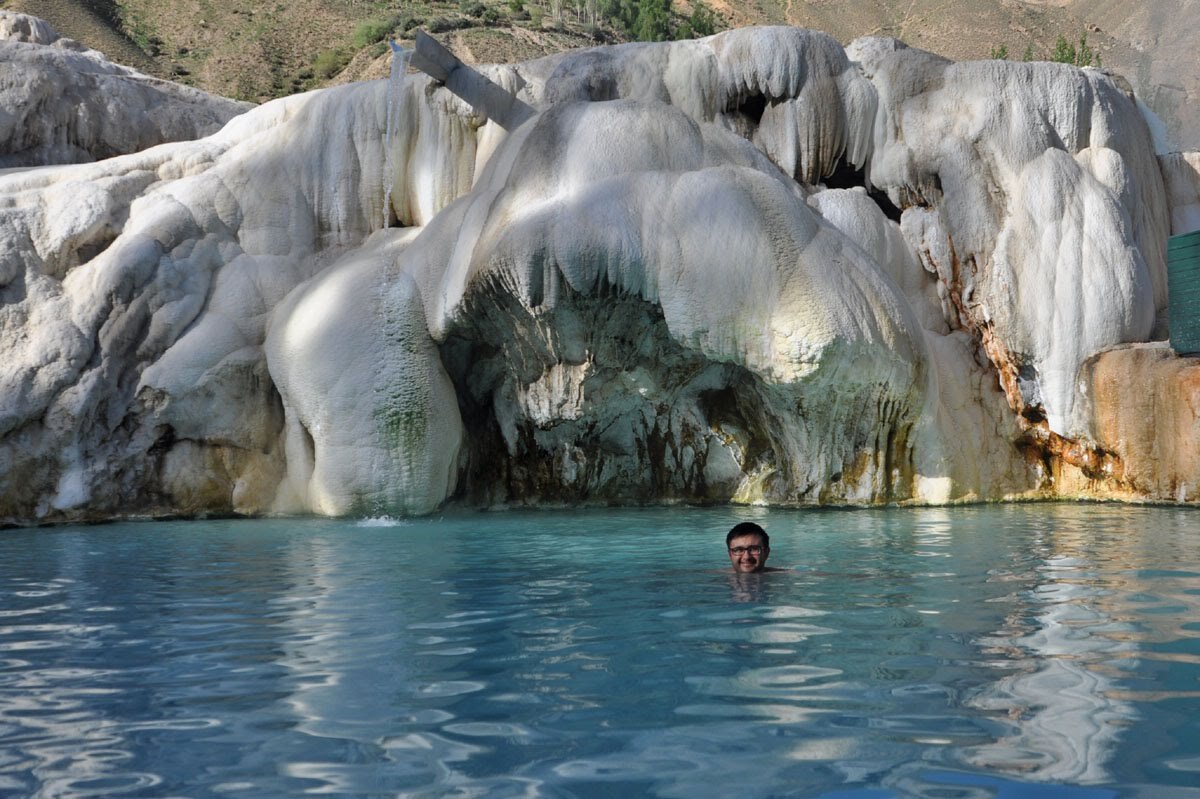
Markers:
point(748, 546)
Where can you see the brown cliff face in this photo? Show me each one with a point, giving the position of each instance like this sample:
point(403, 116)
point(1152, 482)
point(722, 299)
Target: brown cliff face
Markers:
point(1145, 408)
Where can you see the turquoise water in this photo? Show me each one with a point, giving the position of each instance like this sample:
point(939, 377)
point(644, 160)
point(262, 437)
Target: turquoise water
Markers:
point(1040, 651)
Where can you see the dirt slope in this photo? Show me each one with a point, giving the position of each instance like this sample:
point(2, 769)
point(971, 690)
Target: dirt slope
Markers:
point(258, 49)
point(76, 20)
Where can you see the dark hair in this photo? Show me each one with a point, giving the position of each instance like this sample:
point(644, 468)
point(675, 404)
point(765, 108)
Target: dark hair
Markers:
point(748, 528)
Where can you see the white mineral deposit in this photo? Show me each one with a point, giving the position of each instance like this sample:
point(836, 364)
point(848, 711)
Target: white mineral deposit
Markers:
point(755, 267)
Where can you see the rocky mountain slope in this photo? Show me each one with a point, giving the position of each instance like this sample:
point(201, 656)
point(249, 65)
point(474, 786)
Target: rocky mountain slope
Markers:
point(258, 49)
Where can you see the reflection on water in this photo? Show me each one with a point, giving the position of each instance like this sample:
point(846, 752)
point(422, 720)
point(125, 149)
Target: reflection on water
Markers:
point(1081, 625)
point(1066, 717)
point(944, 652)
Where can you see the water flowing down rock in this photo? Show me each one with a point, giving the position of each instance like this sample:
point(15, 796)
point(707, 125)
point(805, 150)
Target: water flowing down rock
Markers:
point(755, 267)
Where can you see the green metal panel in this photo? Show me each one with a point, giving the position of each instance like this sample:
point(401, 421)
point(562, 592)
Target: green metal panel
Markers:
point(1183, 292)
point(1184, 252)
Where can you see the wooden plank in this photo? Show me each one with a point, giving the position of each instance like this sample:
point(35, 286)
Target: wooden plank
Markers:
point(1183, 242)
point(1179, 280)
point(1191, 251)
point(1183, 292)
point(483, 95)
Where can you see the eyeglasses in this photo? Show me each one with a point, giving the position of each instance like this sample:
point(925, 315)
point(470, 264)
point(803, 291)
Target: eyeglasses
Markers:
point(753, 550)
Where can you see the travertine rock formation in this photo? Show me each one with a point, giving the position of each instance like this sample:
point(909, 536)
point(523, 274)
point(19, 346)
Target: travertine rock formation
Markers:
point(1144, 405)
point(1181, 175)
point(61, 103)
point(745, 267)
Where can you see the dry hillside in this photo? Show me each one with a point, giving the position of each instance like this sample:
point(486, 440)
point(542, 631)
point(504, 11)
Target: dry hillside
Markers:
point(258, 49)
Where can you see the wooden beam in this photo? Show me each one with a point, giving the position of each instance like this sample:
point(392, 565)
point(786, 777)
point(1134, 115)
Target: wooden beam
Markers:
point(483, 95)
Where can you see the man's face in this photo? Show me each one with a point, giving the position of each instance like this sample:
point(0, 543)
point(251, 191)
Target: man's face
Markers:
point(748, 554)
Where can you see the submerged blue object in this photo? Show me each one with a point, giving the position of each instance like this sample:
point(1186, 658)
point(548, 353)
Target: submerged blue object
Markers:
point(1032, 650)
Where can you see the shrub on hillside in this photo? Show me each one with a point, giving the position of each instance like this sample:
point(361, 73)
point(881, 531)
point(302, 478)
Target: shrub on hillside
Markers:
point(370, 31)
point(330, 63)
point(444, 24)
point(654, 21)
point(1067, 53)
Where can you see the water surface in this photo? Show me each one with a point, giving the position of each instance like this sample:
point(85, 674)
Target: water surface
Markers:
point(1036, 650)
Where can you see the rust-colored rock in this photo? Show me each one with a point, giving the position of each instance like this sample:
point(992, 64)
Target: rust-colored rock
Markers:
point(1145, 408)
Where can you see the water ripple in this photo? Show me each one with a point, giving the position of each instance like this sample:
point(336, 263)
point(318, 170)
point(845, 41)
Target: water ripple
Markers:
point(532, 655)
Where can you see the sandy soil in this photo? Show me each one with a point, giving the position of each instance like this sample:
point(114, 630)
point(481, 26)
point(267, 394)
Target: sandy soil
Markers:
point(258, 49)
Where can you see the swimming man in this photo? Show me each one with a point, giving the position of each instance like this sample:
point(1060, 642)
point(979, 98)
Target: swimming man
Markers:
point(749, 547)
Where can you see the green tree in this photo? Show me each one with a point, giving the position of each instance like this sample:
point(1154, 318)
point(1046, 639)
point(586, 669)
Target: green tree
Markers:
point(620, 13)
point(1064, 51)
point(702, 21)
point(653, 22)
point(1067, 53)
point(1085, 56)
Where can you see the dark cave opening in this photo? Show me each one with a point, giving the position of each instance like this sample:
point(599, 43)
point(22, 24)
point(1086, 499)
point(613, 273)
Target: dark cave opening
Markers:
point(847, 176)
point(753, 108)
